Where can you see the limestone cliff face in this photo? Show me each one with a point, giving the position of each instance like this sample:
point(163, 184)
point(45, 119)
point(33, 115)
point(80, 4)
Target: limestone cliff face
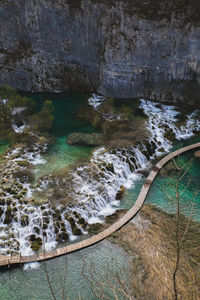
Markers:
point(120, 48)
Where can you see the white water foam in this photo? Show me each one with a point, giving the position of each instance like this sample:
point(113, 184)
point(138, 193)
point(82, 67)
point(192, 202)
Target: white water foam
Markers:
point(18, 129)
point(18, 110)
point(162, 118)
point(32, 266)
point(96, 100)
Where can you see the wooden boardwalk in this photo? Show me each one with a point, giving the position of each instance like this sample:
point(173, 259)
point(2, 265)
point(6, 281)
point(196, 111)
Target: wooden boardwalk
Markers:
point(17, 259)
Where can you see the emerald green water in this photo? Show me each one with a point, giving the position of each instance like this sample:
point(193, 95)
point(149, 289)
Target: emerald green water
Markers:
point(60, 154)
point(3, 146)
point(65, 107)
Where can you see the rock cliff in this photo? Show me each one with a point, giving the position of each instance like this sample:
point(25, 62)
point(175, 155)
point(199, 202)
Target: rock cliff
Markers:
point(120, 48)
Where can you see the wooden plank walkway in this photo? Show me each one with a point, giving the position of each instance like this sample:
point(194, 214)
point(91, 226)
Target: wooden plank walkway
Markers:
point(17, 259)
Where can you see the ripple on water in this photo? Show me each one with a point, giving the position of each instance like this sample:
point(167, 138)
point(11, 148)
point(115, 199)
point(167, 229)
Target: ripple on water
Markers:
point(20, 284)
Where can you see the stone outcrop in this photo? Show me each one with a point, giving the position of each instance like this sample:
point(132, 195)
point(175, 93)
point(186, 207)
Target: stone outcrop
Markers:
point(86, 139)
point(119, 48)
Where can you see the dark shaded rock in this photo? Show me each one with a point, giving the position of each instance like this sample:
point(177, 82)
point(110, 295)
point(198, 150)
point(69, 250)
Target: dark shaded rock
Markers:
point(71, 221)
point(110, 168)
point(24, 220)
point(57, 215)
point(76, 231)
point(56, 229)
point(2, 201)
point(83, 223)
point(36, 244)
point(46, 220)
point(170, 135)
point(62, 226)
point(116, 216)
point(8, 201)
point(76, 214)
point(45, 213)
point(8, 215)
point(130, 164)
point(36, 229)
point(64, 236)
point(32, 238)
point(44, 226)
point(1, 211)
point(24, 175)
point(120, 193)
point(95, 228)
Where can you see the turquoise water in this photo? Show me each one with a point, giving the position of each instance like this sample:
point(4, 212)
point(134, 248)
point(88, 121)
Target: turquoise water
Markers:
point(65, 106)
point(132, 194)
point(3, 146)
point(17, 284)
point(60, 154)
point(163, 194)
point(158, 192)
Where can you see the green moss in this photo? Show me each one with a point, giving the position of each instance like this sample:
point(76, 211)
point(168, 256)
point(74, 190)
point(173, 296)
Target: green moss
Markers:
point(24, 220)
point(76, 231)
point(36, 244)
point(40, 122)
point(8, 215)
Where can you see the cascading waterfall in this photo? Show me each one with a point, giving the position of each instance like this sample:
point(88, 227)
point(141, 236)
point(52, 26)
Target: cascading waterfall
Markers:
point(89, 191)
point(162, 118)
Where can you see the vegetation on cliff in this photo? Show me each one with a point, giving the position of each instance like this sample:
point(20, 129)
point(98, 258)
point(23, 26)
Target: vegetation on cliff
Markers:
point(19, 118)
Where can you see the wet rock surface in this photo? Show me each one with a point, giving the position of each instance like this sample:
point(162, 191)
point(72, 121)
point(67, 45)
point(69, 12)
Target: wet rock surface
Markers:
point(118, 48)
point(197, 154)
point(86, 139)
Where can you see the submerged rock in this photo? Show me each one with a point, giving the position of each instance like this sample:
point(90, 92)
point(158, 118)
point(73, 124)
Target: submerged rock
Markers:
point(61, 237)
point(36, 229)
point(95, 228)
point(8, 215)
point(1, 211)
point(170, 135)
point(36, 243)
point(197, 154)
point(24, 220)
point(76, 231)
point(83, 223)
point(120, 193)
point(116, 216)
point(86, 139)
